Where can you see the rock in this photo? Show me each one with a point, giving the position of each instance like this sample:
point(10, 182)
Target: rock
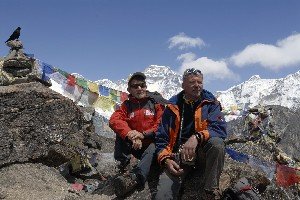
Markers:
point(3, 193)
point(32, 181)
point(39, 125)
point(18, 68)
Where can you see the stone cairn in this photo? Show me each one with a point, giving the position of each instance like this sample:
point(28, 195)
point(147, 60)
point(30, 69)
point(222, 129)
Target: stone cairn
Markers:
point(17, 68)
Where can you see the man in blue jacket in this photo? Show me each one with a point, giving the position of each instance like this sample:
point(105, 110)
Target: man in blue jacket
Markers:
point(192, 124)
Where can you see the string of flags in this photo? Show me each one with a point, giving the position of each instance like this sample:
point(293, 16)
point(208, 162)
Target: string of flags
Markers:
point(108, 98)
point(285, 176)
point(82, 91)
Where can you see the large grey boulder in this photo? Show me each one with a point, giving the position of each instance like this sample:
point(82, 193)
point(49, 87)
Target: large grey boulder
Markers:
point(39, 125)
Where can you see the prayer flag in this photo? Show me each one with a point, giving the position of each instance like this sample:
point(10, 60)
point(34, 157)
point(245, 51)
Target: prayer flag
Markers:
point(71, 80)
point(124, 96)
point(82, 83)
point(287, 176)
point(58, 78)
point(93, 87)
point(103, 90)
point(47, 70)
point(104, 103)
point(65, 74)
point(88, 98)
point(237, 156)
point(113, 94)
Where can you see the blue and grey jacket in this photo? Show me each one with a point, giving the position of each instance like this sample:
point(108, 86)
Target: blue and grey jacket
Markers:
point(209, 121)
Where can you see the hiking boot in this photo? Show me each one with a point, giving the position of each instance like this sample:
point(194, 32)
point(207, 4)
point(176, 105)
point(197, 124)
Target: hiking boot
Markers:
point(123, 168)
point(212, 195)
point(124, 184)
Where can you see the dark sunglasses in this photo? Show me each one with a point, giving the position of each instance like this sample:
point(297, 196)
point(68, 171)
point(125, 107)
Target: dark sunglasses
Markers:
point(192, 71)
point(135, 86)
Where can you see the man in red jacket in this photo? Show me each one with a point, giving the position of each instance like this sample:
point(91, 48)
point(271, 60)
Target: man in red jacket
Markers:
point(135, 123)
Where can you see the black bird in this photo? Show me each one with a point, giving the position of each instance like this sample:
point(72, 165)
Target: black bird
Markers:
point(14, 35)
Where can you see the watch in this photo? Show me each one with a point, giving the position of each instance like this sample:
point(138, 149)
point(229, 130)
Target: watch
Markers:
point(199, 137)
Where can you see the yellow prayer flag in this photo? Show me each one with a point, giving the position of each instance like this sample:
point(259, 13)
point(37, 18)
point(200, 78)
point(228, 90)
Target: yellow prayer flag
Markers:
point(93, 87)
point(104, 103)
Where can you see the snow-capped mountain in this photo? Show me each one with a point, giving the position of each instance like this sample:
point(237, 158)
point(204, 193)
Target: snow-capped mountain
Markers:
point(255, 91)
point(159, 78)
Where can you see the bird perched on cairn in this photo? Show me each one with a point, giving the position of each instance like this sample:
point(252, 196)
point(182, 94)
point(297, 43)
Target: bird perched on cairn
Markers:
point(15, 35)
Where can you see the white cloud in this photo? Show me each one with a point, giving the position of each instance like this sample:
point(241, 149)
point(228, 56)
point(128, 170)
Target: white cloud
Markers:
point(183, 41)
point(284, 54)
point(211, 69)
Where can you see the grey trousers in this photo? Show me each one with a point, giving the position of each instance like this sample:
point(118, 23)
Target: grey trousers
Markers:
point(214, 150)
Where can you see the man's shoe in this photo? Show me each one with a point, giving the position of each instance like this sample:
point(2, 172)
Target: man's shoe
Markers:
point(124, 184)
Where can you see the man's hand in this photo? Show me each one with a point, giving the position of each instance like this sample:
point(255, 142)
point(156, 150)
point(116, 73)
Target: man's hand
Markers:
point(137, 144)
point(134, 135)
point(173, 167)
point(188, 152)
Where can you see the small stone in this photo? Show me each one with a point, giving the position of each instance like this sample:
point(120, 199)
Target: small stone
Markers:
point(3, 194)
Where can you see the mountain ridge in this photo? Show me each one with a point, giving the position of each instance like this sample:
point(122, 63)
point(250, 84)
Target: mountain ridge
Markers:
point(257, 91)
point(159, 78)
point(252, 92)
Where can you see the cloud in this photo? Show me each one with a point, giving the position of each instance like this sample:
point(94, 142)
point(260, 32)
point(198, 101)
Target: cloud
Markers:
point(282, 55)
point(183, 41)
point(211, 69)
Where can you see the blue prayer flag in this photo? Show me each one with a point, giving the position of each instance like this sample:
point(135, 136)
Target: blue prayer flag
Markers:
point(47, 70)
point(103, 90)
point(237, 156)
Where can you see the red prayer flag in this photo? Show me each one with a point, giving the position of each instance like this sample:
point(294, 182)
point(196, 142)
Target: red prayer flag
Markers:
point(287, 176)
point(123, 96)
point(71, 80)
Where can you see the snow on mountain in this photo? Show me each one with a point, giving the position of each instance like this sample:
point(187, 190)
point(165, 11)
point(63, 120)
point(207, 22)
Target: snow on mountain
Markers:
point(78, 75)
point(159, 78)
point(255, 91)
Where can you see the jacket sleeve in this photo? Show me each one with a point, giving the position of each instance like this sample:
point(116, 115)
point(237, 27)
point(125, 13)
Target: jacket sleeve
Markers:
point(162, 137)
point(118, 121)
point(150, 133)
point(216, 122)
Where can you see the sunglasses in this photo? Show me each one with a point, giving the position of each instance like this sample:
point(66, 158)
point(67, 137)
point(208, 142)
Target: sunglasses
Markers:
point(135, 86)
point(192, 71)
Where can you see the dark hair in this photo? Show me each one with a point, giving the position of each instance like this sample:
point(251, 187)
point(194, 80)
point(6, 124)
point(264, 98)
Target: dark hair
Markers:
point(137, 76)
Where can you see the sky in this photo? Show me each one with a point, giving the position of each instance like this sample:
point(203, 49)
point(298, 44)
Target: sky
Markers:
point(228, 40)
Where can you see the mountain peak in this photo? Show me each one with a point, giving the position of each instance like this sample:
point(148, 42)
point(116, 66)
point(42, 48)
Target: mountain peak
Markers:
point(159, 78)
point(254, 78)
point(159, 71)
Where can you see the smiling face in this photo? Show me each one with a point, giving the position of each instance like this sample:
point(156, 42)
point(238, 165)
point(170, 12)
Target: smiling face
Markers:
point(137, 88)
point(193, 85)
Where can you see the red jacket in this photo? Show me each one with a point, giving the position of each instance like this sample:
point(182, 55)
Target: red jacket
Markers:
point(137, 114)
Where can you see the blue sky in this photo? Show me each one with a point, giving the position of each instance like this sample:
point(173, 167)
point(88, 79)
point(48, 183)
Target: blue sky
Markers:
point(229, 40)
